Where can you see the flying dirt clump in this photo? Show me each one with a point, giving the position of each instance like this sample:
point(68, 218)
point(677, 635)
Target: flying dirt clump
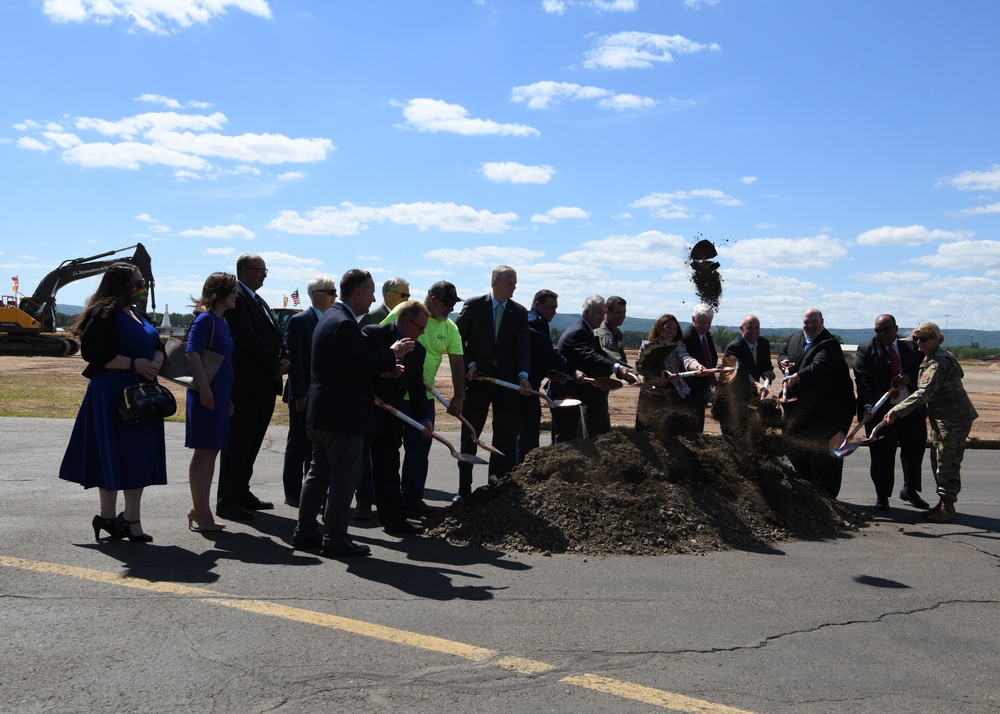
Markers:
point(629, 493)
point(705, 272)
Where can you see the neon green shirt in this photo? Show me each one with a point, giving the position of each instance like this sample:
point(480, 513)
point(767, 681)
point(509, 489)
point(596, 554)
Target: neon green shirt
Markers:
point(440, 338)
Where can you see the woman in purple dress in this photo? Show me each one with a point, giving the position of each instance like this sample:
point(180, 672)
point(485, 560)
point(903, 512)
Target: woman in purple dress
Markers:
point(120, 346)
point(208, 403)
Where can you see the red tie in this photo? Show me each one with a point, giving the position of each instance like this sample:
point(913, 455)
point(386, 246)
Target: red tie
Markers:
point(708, 359)
point(895, 360)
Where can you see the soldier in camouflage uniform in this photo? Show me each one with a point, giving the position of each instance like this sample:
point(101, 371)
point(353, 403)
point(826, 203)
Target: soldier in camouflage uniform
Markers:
point(939, 386)
point(611, 337)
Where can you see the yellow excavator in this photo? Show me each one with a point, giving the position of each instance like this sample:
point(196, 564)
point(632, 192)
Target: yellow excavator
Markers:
point(28, 326)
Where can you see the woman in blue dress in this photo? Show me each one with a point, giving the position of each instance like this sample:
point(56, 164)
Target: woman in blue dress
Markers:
point(120, 346)
point(208, 403)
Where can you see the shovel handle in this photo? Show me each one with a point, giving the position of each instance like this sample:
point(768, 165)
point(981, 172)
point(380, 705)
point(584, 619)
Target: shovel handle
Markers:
point(515, 387)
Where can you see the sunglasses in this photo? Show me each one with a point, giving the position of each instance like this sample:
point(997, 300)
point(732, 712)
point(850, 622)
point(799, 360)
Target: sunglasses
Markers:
point(328, 292)
point(922, 338)
point(259, 270)
point(880, 330)
point(140, 283)
point(405, 296)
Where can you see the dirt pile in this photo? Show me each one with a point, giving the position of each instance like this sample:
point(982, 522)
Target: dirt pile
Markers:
point(629, 493)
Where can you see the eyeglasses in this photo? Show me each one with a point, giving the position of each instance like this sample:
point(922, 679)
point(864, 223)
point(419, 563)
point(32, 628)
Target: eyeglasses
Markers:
point(259, 270)
point(922, 338)
point(880, 330)
point(417, 324)
point(332, 293)
point(405, 296)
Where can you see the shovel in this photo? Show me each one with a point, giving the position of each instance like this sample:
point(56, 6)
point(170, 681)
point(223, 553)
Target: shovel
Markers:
point(553, 403)
point(467, 458)
point(841, 446)
point(870, 438)
point(727, 372)
point(784, 398)
point(447, 404)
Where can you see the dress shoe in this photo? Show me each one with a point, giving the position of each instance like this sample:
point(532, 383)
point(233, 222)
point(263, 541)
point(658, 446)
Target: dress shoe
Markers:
point(345, 549)
point(363, 511)
point(125, 528)
point(234, 513)
point(418, 509)
point(881, 504)
point(403, 528)
point(108, 524)
point(252, 503)
point(293, 502)
point(305, 541)
point(914, 499)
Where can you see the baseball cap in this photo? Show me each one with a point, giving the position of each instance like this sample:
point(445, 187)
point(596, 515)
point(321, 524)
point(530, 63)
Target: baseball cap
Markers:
point(445, 291)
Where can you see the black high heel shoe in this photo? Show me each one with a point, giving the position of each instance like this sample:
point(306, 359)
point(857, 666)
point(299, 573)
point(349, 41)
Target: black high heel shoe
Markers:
point(126, 530)
point(106, 524)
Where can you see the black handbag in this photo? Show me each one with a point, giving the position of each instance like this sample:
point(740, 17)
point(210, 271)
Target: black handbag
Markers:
point(145, 401)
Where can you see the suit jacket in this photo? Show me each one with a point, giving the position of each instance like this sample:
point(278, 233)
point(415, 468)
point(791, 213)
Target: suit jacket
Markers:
point(392, 390)
point(341, 394)
point(753, 369)
point(507, 354)
point(873, 373)
point(581, 348)
point(374, 317)
point(825, 394)
point(298, 347)
point(257, 346)
point(544, 357)
point(692, 342)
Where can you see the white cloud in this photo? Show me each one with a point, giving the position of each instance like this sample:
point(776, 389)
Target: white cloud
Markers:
point(631, 50)
point(647, 250)
point(787, 253)
point(978, 180)
point(614, 5)
point(287, 259)
point(542, 95)
point(908, 235)
point(156, 16)
point(484, 255)
point(63, 140)
point(981, 210)
point(894, 276)
point(765, 226)
point(436, 115)
point(159, 228)
point(513, 172)
point(555, 7)
point(27, 125)
point(26, 142)
point(626, 102)
point(228, 250)
point(348, 219)
point(559, 213)
point(698, 4)
point(748, 179)
point(146, 217)
point(673, 204)
point(178, 140)
point(291, 176)
point(960, 255)
point(217, 231)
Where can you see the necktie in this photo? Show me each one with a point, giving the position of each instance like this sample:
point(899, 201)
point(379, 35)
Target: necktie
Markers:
point(497, 314)
point(895, 360)
point(753, 353)
point(708, 360)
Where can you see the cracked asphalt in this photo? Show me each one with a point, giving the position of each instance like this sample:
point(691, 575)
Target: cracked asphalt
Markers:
point(902, 616)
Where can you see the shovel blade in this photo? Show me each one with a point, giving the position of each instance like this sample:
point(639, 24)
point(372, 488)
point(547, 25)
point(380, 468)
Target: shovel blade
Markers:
point(847, 450)
point(471, 459)
point(489, 447)
point(557, 403)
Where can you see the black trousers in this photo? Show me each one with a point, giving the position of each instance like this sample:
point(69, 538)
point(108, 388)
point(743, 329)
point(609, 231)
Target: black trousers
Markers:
point(909, 434)
point(597, 417)
point(479, 398)
point(298, 454)
point(252, 413)
point(383, 448)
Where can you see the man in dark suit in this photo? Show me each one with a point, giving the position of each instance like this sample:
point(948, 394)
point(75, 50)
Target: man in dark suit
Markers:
point(582, 349)
point(697, 339)
point(494, 332)
point(731, 404)
point(876, 365)
point(340, 414)
point(545, 360)
point(384, 444)
point(394, 291)
point(752, 351)
point(258, 365)
point(820, 380)
point(322, 292)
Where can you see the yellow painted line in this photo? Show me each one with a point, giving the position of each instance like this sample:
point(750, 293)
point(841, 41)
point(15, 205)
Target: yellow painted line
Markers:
point(606, 685)
point(656, 697)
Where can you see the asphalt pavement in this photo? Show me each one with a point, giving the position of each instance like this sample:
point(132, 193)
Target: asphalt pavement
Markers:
point(901, 616)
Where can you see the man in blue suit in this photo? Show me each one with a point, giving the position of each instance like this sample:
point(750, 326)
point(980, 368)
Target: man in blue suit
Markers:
point(322, 292)
point(340, 414)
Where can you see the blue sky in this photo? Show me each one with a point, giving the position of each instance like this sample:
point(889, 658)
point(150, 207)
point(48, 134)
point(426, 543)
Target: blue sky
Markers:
point(839, 154)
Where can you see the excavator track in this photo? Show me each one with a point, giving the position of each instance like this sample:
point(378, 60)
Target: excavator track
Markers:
point(35, 345)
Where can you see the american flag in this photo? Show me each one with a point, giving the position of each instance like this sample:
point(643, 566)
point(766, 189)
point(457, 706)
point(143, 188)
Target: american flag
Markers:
point(295, 297)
